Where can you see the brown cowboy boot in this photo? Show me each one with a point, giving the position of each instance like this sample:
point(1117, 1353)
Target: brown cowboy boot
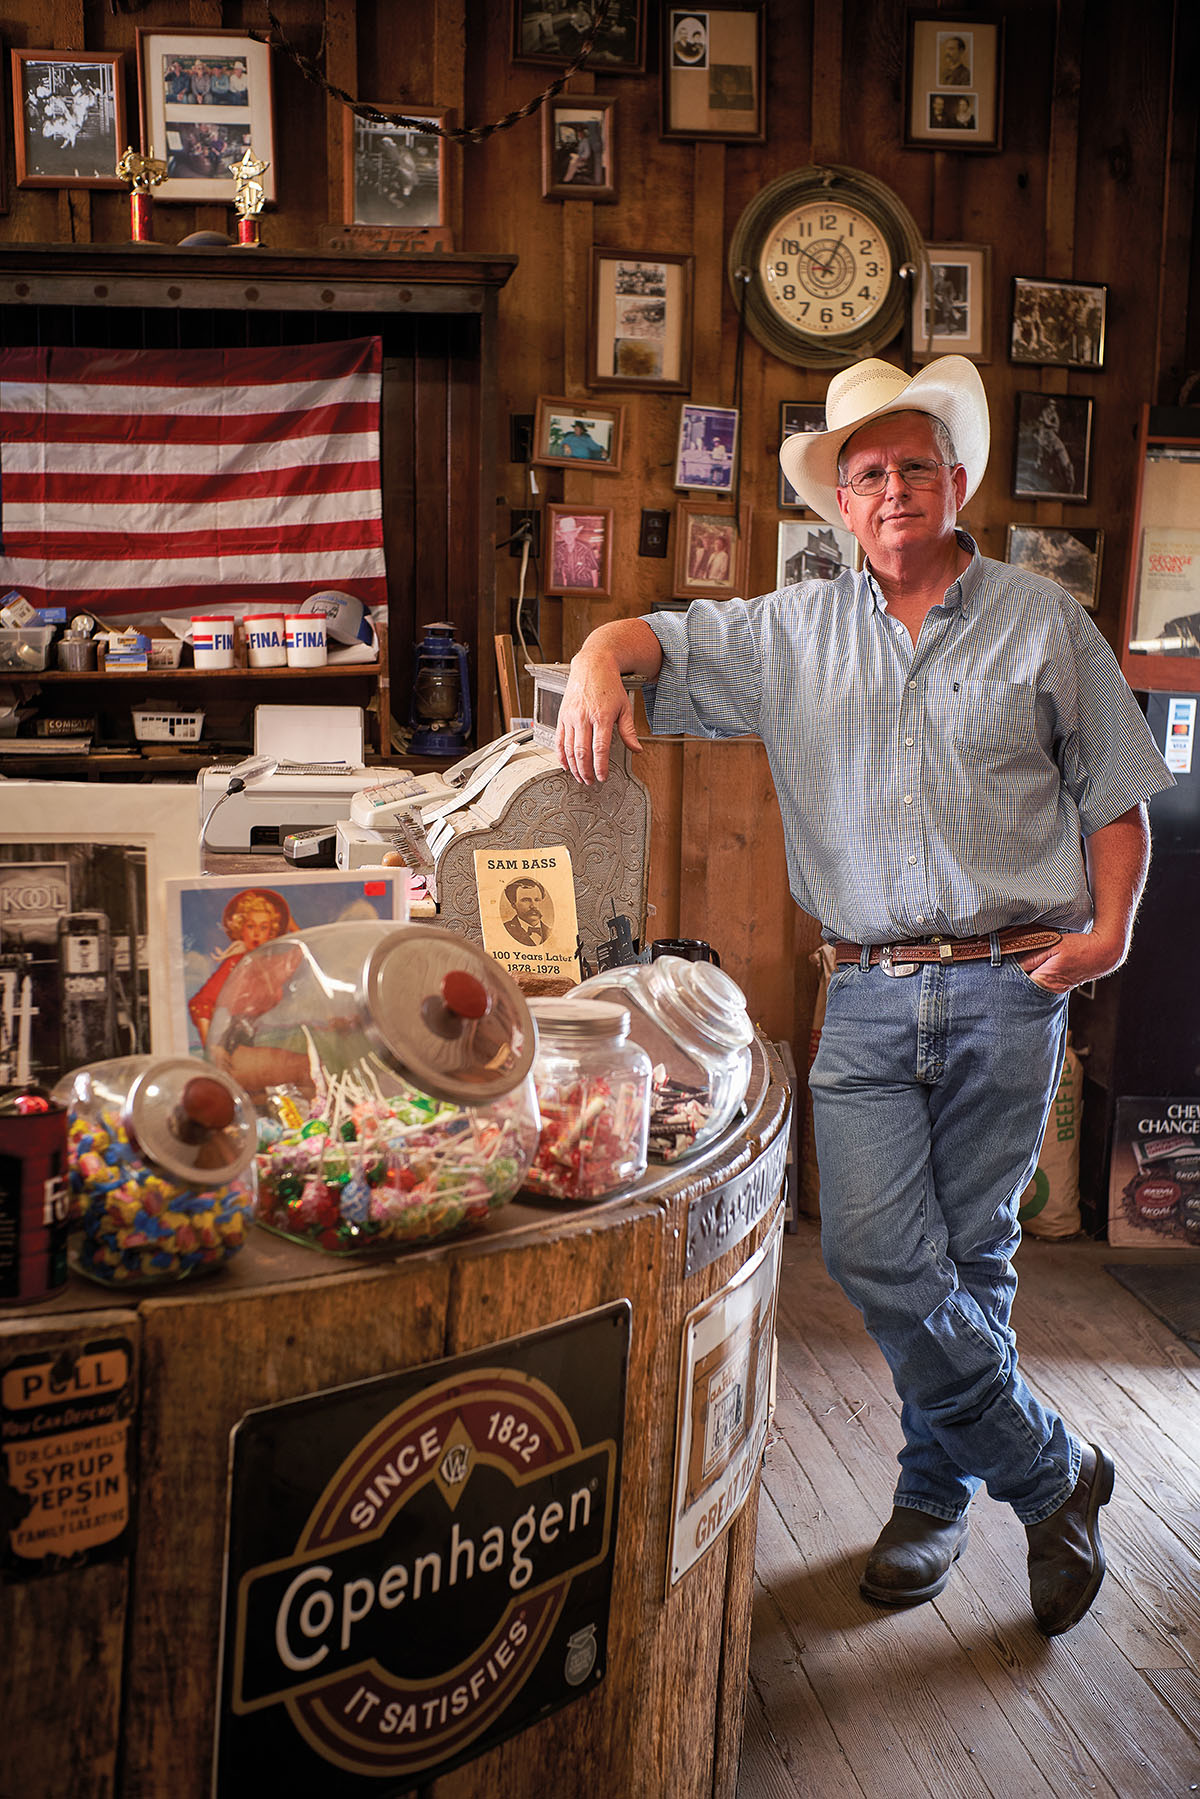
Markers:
point(912, 1557)
point(1066, 1556)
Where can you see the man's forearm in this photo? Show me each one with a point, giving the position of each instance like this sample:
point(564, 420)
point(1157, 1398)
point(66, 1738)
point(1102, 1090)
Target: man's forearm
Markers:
point(1118, 857)
point(630, 643)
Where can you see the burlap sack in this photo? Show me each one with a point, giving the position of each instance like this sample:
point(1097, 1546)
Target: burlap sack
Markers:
point(1050, 1203)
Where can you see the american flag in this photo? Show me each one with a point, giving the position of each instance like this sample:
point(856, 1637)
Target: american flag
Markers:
point(138, 482)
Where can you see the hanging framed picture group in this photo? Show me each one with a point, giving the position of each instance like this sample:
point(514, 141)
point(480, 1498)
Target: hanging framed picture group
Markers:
point(712, 73)
point(641, 319)
point(205, 100)
point(953, 96)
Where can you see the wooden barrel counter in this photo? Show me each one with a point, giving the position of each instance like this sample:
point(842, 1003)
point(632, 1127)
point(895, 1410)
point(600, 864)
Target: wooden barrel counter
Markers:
point(218, 1500)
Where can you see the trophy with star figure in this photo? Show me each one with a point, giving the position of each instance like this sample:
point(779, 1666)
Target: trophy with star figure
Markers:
point(249, 195)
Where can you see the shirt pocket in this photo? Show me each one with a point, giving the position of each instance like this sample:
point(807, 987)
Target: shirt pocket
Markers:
point(990, 719)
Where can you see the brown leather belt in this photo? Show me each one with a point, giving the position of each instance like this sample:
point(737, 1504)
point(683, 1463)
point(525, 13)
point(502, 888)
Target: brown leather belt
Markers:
point(894, 958)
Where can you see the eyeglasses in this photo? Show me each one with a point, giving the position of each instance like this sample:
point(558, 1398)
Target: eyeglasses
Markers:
point(919, 472)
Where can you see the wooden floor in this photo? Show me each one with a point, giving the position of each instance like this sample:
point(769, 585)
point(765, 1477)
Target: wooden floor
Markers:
point(964, 1697)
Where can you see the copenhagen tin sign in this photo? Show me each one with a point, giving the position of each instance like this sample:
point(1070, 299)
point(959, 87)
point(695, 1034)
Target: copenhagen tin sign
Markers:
point(420, 1566)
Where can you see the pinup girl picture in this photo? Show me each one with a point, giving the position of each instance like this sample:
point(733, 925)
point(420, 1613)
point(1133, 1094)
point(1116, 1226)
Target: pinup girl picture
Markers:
point(213, 924)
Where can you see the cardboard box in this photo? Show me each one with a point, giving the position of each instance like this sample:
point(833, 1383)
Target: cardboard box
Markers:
point(1154, 1173)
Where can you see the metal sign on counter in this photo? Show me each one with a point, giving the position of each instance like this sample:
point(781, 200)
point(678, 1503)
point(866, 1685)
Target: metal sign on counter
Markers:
point(65, 1414)
point(420, 1566)
point(724, 1394)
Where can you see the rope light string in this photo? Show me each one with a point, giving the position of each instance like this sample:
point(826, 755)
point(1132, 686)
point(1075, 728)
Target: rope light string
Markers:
point(277, 39)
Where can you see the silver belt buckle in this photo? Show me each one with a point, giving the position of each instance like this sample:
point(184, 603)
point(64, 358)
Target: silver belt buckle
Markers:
point(894, 968)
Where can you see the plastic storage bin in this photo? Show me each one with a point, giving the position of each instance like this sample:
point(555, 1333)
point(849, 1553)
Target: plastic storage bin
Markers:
point(25, 647)
point(691, 1020)
point(593, 1088)
point(159, 1154)
point(161, 724)
point(390, 1065)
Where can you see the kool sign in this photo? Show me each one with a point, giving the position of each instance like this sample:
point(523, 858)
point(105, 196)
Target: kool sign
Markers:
point(420, 1566)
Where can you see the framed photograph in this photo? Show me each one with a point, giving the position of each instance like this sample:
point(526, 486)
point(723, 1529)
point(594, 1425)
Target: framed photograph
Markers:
point(84, 971)
point(579, 550)
point(1069, 556)
point(571, 433)
point(578, 158)
point(707, 448)
point(810, 550)
point(1058, 324)
point(395, 174)
point(712, 73)
point(205, 100)
point(951, 305)
point(213, 921)
point(68, 117)
point(712, 550)
point(555, 38)
point(1053, 448)
point(796, 415)
point(953, 90)
point(640, 328)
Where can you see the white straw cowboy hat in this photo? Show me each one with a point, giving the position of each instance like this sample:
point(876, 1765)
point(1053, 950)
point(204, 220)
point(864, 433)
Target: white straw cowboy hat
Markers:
point(949, 388)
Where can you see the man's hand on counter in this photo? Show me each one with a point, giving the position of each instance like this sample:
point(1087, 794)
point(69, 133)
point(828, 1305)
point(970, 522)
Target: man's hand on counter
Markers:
point(596, 703)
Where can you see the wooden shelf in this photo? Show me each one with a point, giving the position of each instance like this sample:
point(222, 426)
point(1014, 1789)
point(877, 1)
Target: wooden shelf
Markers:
point(331, 671)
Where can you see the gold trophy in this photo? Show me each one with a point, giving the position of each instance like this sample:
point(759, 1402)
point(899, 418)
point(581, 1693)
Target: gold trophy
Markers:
point(249, 195)
point(144, 171)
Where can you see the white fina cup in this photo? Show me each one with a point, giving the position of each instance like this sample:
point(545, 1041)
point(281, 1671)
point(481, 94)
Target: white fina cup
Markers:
point(212, 641)
point(266, 641)
point(306, 640)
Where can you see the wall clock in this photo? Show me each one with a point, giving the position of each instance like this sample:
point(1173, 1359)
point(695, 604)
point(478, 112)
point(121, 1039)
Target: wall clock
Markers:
point(823, 249)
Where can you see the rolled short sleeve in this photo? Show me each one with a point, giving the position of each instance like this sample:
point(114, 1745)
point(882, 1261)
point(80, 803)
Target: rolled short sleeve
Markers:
point(1109, 759)
point(710, 684)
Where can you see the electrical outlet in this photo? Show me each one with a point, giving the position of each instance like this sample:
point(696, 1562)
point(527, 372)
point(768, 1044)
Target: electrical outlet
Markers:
point(515, 520)
point(520, 436)
point(652, 540)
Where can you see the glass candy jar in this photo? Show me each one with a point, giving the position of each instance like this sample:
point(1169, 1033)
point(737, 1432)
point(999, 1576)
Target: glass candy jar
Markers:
point(593, 1088)
point(159, 1154)
point(389, 1065)
point(691, 1020)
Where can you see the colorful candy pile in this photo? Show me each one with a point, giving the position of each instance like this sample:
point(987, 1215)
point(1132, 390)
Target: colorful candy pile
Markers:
point(357, 1168)
point(678, 1116)
point(591, 1139)
point(139, 1226)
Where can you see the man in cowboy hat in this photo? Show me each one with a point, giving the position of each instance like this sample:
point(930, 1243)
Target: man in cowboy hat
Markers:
point(962, 774)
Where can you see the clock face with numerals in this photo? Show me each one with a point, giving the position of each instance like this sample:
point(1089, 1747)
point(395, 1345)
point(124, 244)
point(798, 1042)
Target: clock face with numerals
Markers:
point(826, 268)
point(821, 260)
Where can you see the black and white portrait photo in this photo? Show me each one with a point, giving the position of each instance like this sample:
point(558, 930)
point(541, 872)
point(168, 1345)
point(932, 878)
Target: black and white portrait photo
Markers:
point(69, 121)
point(1053, 446)
point(397, 177)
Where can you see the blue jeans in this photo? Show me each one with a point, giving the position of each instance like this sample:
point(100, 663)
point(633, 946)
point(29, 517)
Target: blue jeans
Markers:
point(930, 1093)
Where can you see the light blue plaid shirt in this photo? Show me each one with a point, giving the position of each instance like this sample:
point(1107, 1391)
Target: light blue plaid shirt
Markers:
point(940, 790)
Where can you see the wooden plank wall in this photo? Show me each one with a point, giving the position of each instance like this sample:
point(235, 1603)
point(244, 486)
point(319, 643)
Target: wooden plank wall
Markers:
point(1095, 179)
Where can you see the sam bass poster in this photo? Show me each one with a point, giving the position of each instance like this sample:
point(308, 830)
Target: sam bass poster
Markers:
point(420, 1566)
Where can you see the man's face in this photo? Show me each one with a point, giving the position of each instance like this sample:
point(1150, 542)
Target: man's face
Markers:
point(901, 517)
point(689, 40)
point(528, 905)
